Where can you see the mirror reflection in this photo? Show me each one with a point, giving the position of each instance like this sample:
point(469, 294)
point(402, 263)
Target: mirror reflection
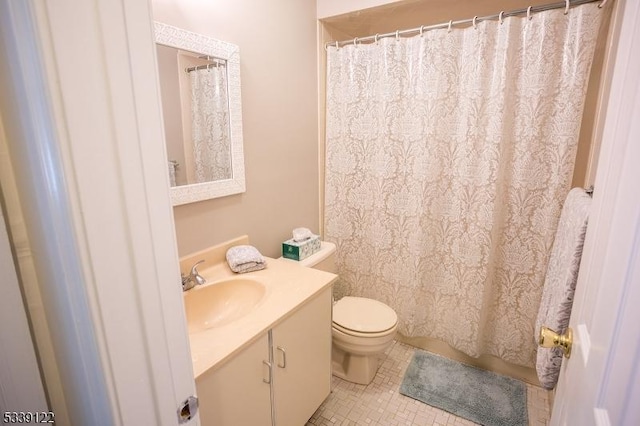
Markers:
point(195, 104)
point(201, 97)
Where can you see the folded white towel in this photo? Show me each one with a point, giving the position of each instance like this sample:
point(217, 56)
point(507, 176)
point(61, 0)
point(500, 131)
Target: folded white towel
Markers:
point(245, 258)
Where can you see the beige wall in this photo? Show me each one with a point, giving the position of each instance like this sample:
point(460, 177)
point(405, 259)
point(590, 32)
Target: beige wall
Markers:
point(277, 41)
point(171, 107)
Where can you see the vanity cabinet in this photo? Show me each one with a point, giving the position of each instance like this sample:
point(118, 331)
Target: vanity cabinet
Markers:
point(301, 347)
point(235, 393)
point(280, 379)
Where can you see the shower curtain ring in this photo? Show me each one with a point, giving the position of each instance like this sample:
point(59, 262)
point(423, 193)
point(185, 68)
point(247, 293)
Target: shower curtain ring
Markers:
point(421, 30)
point(475, 27)
point(449, 28)
point(566, 6)
point(601, 5)
point(337, 46)
point(355, 42)
point(376, 37)
point(500, 17)
point(397, 35)
point(529, 13)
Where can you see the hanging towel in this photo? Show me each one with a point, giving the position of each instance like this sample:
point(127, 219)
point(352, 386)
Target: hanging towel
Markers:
point(560, 281)
point(245, 258)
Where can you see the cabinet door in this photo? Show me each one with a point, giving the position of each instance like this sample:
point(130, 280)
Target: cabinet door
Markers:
point(302, 361)
point(236, 393)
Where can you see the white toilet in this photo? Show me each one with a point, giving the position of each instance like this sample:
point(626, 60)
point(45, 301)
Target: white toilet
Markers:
point(362, 328)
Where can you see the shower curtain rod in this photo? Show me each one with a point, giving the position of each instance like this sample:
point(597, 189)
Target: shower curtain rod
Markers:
point(474, 21)
point(203, 67)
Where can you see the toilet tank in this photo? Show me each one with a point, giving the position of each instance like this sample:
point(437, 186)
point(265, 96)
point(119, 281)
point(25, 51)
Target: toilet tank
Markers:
point(324, 260)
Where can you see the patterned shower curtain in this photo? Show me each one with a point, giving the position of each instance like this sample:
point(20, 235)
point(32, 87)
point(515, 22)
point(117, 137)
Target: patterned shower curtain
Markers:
point(448, 158)
point(210, 124)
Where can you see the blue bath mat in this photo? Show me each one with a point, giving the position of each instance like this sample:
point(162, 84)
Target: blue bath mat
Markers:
point(481, 396)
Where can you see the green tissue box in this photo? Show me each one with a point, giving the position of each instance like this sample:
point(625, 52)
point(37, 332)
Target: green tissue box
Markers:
point(299, 250)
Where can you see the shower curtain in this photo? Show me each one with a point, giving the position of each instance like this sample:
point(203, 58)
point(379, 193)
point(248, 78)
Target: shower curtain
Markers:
point(448, 157)
point(210, 124)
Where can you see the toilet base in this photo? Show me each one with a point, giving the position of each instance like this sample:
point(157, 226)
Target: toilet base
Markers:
point(354, 368)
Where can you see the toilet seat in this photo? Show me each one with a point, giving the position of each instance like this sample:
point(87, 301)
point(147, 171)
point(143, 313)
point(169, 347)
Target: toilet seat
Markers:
point(365, 335)
point(360, 316)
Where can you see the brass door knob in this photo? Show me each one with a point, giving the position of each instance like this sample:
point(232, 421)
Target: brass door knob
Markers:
point(551, 339)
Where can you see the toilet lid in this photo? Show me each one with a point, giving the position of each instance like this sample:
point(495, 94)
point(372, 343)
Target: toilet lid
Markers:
point(363, 315)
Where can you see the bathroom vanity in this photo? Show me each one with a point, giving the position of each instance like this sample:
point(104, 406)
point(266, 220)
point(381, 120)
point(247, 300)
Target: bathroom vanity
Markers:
point(262, 354)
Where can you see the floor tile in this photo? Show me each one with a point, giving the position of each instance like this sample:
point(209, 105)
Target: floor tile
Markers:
point(380, 402)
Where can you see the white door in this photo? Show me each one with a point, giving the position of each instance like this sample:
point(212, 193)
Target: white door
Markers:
point(79, 100)
point(600, 383)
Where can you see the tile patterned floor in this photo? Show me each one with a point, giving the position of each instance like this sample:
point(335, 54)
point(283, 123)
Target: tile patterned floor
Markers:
point(380, 403)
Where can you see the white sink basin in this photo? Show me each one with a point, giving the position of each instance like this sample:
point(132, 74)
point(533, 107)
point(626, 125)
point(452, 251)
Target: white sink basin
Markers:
point(222, 302)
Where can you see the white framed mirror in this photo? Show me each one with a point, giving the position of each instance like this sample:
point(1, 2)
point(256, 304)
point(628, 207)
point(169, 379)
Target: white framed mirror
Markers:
point(202, 110)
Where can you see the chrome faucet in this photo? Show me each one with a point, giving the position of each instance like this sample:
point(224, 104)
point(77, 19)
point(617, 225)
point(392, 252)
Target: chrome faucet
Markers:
point(193, 279)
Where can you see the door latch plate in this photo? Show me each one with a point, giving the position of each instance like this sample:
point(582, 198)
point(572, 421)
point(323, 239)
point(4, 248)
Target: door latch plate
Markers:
point(187, 409)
